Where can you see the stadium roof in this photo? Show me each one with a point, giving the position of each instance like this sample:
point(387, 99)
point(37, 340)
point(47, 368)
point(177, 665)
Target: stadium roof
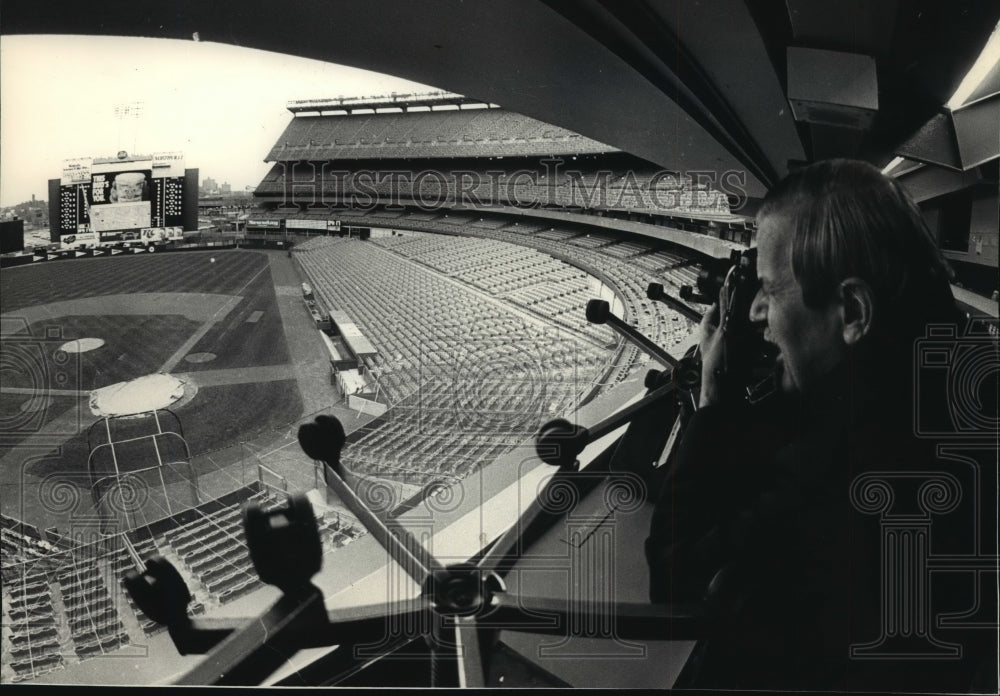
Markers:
point(426, 134)
point(388, 101)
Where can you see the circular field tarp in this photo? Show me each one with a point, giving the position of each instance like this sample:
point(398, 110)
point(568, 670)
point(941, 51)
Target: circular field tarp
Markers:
point(81, 345)
point(136, 396)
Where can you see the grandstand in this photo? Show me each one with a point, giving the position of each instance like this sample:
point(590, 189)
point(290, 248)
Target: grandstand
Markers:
point(439, 152)
point(65, 604)
point(477, 376)
point(456, 132)
point(422, 168)
point(525, 277)
point(628, 277)
point(529, 183)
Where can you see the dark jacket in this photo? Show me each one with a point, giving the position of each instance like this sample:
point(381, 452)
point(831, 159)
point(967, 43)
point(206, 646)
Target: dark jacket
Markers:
point(765, 494)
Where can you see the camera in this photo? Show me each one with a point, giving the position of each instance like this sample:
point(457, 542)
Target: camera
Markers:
point(748, 370)
point(743, 267)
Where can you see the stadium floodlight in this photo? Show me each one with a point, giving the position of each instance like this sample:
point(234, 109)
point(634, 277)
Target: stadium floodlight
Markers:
point(129, 110)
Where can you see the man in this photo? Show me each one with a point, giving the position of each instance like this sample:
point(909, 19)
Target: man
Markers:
point(850, 277)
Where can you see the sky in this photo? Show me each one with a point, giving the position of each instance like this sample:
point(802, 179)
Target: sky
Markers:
point(222, 106)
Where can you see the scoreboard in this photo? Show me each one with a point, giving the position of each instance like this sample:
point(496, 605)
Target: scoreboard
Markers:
point(105, 198)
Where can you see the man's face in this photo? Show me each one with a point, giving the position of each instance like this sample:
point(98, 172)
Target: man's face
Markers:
point(810, 340)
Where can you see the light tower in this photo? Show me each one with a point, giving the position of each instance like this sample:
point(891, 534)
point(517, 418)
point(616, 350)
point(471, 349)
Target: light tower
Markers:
point(133, 111)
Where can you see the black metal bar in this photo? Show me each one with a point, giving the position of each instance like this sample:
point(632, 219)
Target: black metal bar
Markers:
point(246, 652)
point(627, 414)
point(407, 551)
point(506, 550)
point(369, 622)
point(201, 635)
point(251, 653)
point(598, 312)
point(559, 442)
point(656, 291)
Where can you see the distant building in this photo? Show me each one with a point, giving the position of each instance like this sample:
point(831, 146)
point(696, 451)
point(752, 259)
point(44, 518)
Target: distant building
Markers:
point(34, 213)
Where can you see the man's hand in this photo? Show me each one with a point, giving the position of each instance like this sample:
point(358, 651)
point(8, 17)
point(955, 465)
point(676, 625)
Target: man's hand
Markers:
point(712, 349)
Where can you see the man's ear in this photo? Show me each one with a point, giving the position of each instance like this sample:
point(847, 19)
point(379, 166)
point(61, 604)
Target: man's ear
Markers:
point(857, 308)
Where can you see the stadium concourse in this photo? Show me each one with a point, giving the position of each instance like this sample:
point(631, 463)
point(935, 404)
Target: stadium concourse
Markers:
point(476, 316)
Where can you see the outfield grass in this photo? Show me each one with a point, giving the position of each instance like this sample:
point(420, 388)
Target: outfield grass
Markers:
point(17, 424)
point(251, 333)
point(25, 286)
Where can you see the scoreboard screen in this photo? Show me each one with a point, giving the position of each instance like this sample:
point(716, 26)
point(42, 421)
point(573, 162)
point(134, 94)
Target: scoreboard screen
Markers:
point(106, 197)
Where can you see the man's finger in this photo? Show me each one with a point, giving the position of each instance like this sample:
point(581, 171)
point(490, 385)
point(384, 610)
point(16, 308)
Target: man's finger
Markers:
point(712, 315)
point(722, 304)
point(708, 321)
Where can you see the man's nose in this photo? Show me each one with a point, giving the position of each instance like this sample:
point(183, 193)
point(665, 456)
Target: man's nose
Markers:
point(758, 309)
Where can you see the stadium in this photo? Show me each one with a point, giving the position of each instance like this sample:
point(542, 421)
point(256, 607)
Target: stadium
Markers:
point(423, 267)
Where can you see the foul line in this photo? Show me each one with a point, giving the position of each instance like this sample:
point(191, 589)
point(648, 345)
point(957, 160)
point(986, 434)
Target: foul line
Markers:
point(179, 354)
point(42, 392)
